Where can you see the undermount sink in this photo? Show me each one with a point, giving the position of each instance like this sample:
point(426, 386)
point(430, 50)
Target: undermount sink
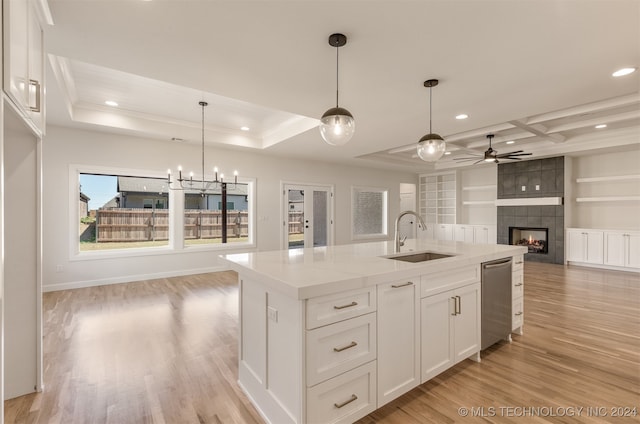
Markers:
point(419, 257)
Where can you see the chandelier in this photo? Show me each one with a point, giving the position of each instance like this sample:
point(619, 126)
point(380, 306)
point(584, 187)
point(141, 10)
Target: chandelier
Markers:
point(203, 185)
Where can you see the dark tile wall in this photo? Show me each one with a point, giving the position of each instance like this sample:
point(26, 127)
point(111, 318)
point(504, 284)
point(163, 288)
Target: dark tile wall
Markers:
point(549, 175)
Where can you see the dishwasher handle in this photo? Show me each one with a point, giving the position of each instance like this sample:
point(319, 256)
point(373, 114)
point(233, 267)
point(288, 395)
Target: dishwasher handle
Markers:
point(497, 264)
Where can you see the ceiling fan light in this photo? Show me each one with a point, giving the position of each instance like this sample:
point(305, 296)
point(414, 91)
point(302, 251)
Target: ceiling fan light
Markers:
point(337, 126)
point(431, 147)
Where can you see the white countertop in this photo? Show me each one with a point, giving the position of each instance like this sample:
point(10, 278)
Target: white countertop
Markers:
point(306, 273)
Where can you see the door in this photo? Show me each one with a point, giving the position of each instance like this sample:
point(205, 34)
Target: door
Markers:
point(407, 226)
point(398, 338)
point(308, 216)
point(437, 334)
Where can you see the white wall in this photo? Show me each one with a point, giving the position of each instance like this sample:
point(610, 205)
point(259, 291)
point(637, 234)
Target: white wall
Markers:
point(63, 146)
point(477, 176)
point(612, 214)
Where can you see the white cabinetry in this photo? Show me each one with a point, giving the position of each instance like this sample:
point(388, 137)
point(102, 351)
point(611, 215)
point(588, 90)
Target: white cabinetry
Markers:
point(517, 294)
point(464, 233)
point(24, 60)
point(398, 338)
point(444, 232)
point(480, 234)
point(622, 248)
point(585, 246)
point(450, 319)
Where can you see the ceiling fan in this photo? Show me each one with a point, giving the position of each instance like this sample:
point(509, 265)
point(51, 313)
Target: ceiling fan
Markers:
point(491, 155)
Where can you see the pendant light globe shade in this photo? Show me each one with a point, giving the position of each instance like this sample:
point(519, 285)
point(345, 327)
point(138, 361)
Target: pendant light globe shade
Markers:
point(431, 147)
point(337, 126)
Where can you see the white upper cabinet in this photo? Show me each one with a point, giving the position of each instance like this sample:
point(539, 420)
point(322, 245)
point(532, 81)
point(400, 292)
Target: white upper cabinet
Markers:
point(24, 59)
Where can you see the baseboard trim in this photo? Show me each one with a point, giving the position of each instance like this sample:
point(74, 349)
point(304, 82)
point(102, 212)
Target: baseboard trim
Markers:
point(129, 278)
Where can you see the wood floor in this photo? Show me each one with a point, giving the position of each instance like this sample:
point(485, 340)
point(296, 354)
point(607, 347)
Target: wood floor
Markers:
point(165, 351)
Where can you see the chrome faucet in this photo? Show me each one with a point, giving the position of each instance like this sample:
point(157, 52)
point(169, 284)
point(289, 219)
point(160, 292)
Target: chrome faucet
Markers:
point(396, 237)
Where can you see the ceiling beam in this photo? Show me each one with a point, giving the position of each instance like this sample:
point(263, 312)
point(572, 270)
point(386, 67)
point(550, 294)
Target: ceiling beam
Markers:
point(540, 131)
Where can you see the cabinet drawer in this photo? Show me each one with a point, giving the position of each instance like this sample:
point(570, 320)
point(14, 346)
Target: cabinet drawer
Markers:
point(518, 263)
point(518, 313)
point(338, 307)
point(339, 347)
point(446, 280)
point(345, 398)
point(517, 279)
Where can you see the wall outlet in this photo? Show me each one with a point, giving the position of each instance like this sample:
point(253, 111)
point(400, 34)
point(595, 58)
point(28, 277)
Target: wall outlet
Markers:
point(524, 188)
point(537, 187)
point(272, 313)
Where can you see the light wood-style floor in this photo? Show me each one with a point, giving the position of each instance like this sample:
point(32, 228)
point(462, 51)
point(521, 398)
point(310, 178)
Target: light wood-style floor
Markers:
point(165, 351)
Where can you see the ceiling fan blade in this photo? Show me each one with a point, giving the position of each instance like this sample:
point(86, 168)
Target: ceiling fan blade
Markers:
point(480, 161)
point(506, 155)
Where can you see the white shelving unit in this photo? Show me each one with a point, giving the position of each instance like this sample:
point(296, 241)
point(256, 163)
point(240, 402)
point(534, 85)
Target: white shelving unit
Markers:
point(611, 178)
point(438, 198)
point(481, 202)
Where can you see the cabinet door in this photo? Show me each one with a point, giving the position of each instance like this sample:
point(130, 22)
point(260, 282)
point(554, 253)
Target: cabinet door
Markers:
point(576, 247)
point(444, 232)
point(463, 233)
point(436, 319)
point(633, 251)
point(398, 338)
point(614, 249)
point(595, 247)
point(35, 91)
point(16, 50)
point(481, 235)
point(467, 322)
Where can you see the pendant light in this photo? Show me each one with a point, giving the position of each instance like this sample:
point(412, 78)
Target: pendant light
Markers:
point(337, 124)
point(431, 147)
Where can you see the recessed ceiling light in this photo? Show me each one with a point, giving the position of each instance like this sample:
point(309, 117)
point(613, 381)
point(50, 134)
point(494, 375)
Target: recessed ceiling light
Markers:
point(462, 116)
point(447, 153)
point(245, 128)
point(111, 103)
point(510, 142)
point(624, 71)
point(601, 126)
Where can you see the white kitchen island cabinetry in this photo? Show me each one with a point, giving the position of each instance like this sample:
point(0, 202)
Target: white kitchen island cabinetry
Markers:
point(328, 335)
point(398, 338)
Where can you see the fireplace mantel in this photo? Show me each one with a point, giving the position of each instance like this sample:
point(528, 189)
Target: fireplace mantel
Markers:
point(530, 201)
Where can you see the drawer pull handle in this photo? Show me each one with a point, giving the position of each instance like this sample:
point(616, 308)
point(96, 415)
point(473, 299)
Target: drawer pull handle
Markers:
point(518, 285)
point(349, 346)
point(346, 306)
point(518, 313)
point(518, 263)
point(346, 402)
point(397, 286)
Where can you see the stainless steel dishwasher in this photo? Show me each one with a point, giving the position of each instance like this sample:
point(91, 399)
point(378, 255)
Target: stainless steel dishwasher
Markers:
point(496, 301)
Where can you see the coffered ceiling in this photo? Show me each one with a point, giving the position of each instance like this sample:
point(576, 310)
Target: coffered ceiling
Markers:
point(536, 73)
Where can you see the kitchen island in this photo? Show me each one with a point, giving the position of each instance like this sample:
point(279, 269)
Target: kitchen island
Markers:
point(330, 334)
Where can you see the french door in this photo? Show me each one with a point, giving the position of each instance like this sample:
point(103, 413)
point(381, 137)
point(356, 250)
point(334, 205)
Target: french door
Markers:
point(308, 216)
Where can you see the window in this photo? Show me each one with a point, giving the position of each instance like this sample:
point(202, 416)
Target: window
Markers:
point(207, 221)
point(368, 212)
point(114, 211)
point(122, 212)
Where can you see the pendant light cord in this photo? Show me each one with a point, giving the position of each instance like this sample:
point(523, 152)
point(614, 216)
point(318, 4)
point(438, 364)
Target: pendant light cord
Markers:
point(202, 144)
point(430, 132)
point(337, 79)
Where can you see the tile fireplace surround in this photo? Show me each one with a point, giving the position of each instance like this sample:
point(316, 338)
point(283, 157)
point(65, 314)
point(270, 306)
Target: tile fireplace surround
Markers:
point(540, 178)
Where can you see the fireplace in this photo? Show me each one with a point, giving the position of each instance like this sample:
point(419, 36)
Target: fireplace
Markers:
point(535, 239)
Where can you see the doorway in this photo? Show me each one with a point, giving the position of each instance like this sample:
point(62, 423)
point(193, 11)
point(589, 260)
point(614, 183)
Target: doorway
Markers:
point(308, 216)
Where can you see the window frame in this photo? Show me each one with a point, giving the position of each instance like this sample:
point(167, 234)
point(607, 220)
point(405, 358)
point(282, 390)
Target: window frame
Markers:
point(176, 218)
point(355, 190)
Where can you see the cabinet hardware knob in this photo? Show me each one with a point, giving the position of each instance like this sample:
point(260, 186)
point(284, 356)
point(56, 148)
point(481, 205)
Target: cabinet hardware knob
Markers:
point(346, 402)
point(349, 346)
point(518, 313)
point(346, 306)
point(397, 286)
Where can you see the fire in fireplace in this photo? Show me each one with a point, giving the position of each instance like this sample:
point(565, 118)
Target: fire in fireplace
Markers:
point(534, 238)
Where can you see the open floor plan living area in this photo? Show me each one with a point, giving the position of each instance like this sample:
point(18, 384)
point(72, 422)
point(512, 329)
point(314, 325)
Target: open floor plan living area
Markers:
point(319, 212)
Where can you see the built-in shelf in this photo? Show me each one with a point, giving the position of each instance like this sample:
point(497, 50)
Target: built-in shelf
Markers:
point(527, 201)
point(611, 178)
point(484, 187)
point(609, 199)
point(479, 202)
